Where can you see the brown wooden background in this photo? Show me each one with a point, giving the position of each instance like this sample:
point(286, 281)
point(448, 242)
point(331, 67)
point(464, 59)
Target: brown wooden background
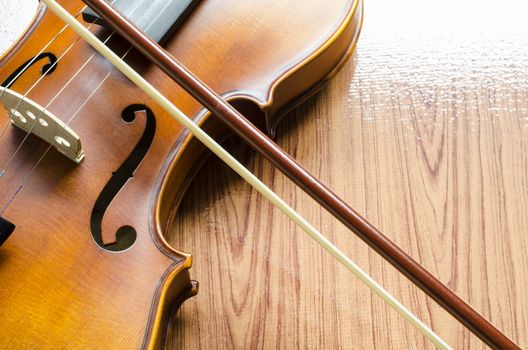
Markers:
point(425, 132)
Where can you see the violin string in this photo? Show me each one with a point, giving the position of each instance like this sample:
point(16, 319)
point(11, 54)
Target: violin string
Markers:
point(14, 110)
point(217, 149)
point(29, 63)
point(35, 120)
point(34, 168)
point(112, 70)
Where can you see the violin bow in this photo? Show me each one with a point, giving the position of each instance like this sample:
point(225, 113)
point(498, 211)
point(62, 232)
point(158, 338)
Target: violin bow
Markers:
point(420, 276)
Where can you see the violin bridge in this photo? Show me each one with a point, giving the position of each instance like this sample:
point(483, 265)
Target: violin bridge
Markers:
point(34, 119)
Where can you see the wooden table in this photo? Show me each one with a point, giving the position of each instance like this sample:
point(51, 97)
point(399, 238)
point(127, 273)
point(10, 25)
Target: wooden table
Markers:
point(425, 132)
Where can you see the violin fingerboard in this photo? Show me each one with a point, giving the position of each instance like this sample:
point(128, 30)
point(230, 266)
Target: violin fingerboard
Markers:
point(157, 18)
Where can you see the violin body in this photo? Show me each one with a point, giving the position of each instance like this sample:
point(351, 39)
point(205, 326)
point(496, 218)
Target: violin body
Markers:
point(60, 285)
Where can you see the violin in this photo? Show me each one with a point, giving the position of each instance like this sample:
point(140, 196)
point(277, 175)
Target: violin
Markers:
point(94, 169)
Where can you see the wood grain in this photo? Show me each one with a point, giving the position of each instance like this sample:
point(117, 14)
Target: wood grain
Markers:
point(425, 133)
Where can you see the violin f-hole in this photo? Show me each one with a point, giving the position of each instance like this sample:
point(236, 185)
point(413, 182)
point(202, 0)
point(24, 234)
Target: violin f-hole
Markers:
point(6, 229)
point(126, 235)
point(46, 69)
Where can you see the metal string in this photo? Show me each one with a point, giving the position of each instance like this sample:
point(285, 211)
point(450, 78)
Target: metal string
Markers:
point(30, 173)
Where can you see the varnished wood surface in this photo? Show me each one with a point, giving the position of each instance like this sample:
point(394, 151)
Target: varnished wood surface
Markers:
point(424, 133)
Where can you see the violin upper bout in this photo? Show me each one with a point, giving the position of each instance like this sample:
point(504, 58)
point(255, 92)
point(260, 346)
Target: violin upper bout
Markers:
point(307, 77)
point(264, 84)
